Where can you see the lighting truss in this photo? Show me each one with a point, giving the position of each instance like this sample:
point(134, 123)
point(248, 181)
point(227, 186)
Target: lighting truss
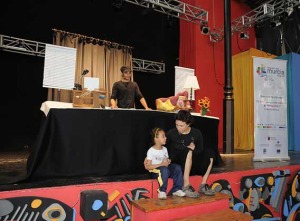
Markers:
point(148, 66)
point(22, 46)
point(258, 15)
point(34, 48)
point(174, 8)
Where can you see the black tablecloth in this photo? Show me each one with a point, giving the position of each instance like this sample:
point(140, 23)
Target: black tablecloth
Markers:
point(102, 142)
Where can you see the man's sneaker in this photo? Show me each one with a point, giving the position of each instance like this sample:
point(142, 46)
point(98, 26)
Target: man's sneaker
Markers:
point(179, 193)
point(190, 192)
point(206, 190)
point(162, 196)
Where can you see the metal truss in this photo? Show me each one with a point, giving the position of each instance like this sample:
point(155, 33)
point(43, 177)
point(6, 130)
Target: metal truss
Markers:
point(175, 8)
point(148, 66)
point(34, 48)
point(266, 11)
point(22, 46)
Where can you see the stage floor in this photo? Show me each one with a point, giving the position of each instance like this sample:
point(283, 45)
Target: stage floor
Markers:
point(13, 170)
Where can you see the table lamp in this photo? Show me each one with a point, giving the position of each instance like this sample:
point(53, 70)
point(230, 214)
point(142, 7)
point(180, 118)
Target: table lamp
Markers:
point(191, 83)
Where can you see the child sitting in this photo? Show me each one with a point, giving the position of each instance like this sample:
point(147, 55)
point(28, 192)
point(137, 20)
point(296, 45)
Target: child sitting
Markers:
point(160, 167)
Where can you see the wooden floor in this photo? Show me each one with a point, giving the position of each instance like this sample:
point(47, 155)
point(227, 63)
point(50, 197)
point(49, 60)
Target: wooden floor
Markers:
point(13, 170)
point(182, 207)
point(150, 205)
point(224, 215)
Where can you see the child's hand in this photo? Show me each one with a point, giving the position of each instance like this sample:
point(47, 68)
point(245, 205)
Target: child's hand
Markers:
point(147, 163)
point(165, 163)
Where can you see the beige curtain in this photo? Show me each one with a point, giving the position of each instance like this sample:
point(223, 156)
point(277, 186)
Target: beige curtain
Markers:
point(102, 58)
point(242, 81)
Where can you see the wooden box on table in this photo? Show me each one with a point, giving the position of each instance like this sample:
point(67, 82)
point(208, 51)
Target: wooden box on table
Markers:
point(88, 99)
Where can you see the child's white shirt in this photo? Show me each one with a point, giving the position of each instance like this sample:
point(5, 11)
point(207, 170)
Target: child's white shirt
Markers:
point(157, 156)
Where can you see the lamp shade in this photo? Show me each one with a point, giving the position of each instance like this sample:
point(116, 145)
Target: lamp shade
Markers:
point(191, 82)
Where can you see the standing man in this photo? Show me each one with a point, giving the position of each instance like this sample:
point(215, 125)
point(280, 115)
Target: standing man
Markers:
point(125, 91)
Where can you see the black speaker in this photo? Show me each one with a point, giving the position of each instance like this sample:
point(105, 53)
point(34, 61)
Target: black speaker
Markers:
point(93, 205)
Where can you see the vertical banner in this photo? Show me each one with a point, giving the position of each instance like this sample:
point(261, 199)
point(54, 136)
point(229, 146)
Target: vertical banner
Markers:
point(270, 109)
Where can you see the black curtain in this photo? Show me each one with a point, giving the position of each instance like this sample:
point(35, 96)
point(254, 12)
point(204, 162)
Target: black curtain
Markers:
point(286, 35)
point(153, 35)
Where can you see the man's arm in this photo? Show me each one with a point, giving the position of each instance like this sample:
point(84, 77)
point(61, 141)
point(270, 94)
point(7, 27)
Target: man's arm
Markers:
point(144, 103)
point(113, 103)
point(139, 95)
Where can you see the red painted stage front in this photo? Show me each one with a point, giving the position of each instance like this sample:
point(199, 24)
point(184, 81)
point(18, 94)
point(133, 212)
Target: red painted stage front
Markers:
point(262, 193)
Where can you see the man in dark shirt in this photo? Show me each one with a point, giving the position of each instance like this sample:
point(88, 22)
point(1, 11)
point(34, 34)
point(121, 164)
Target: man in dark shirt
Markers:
point(125, 91)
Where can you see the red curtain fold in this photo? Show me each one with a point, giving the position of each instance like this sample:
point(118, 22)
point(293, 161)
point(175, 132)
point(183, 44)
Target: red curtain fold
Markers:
point(187, 49)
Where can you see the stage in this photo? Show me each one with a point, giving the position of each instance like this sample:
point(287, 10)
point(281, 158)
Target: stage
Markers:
point(261, 189)
point(13, 170)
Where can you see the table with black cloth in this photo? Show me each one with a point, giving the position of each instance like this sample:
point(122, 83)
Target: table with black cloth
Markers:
point(102, 142)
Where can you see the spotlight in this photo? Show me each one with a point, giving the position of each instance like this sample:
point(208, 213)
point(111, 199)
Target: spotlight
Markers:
point(275, 23)
point(288, 11)
point(204, 28)
point(244, 35)
point(215, 37)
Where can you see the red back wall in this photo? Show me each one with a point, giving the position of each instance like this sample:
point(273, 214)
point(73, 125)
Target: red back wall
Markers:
point(207, 58)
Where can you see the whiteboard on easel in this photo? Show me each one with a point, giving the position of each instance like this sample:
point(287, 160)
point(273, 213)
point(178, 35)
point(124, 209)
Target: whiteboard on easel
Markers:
point(181, 74)
point(59, 67)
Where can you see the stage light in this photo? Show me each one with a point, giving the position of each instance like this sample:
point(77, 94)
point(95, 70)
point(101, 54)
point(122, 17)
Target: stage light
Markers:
point(276, 22)
point(244, 35)
point(288, 11)
point(204, 28)
point(215, 37)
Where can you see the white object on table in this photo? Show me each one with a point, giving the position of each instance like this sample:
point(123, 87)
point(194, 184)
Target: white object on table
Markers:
point(47, 105)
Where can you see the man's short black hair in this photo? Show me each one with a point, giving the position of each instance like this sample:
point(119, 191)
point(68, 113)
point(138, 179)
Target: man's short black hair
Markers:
point(125, 69)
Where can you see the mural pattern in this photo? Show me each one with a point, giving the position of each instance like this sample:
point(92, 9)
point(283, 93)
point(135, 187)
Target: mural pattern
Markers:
point(268, 196)
point(35, 208)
